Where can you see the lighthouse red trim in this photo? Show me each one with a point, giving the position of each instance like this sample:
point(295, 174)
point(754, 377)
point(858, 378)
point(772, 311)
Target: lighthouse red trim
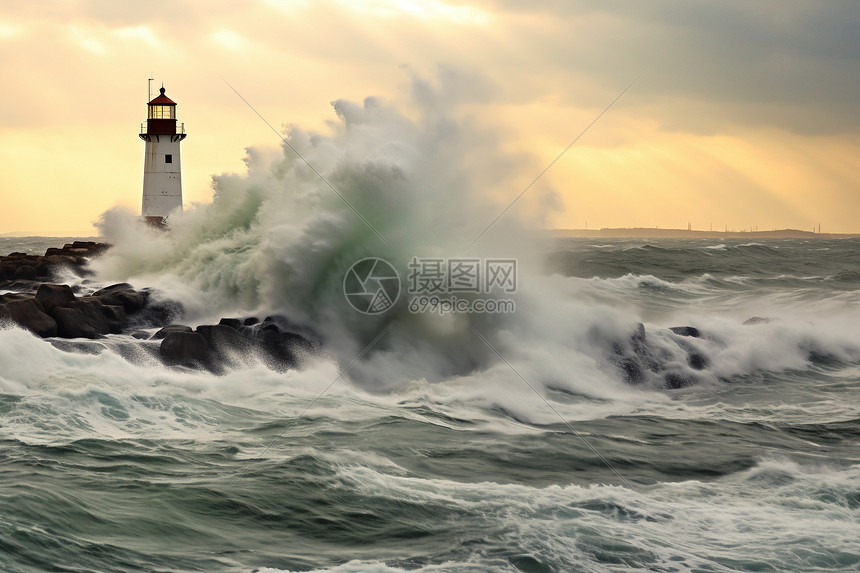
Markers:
point(162, 100)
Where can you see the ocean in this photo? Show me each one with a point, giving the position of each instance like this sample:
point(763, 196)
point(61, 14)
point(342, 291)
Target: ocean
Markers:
point(483, 397)
point(534, 456)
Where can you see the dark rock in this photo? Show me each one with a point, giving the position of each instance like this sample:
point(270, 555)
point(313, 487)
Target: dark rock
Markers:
point(56, 261)
point(30, 315)
point(52, 310)
point(43, 269)
point(25, 272)
point(642, 350)
point(686, 331)
point(185, 349)
point(157, 313)
point(638, 336)
point(632, 370)
point(639, 360)
point(222, 337)
point(171, 328)
point(23, 286)
point(85, 318)
point(697, 360)
point(283, 348)
point(676, 380)
point(756, 320)
point(123, 295)
point(4, 298)
point(227, 345)
point(231, 322)
point(75, 251)
point(20, 266)
point(52, 296)
point(117, 315)
point(285, 325)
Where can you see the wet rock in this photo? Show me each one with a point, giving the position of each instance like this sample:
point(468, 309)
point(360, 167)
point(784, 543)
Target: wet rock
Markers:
point(25, 272)
point(117, 316)
point(687, 331)
point(157, 313)
point(231, 322)
point(22, 286)
point(282, 342)
point(675, 380)
point(52, 296)
point(697, 360)
point(756, 320)
point(632, 370)
point(107, 311)
point(54, 310)
point(124, 295)
point(29, 314)
point(227, 345)
point(222, 338)
point(4, 298)
point(85, 318)
point(23, 267)
point(185, 349)
point(641, 361)
point(171, 328)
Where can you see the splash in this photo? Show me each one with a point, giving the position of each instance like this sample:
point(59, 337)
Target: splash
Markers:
point(279, 239)
point(426, 179)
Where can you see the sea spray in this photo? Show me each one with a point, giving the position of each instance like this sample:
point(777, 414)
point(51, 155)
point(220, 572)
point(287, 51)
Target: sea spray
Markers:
point(426, 182)
point(117, 465)
point(280, 238)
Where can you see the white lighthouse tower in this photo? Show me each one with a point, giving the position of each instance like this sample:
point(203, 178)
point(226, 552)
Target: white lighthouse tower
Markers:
point(162, 175)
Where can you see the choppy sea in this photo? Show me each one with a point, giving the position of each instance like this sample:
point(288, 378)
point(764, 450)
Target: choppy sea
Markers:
point(536, 457)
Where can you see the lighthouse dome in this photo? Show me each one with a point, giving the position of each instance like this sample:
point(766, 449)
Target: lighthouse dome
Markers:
point(162, 99)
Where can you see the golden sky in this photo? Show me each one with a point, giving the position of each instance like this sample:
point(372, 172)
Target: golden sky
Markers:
point(744, 115)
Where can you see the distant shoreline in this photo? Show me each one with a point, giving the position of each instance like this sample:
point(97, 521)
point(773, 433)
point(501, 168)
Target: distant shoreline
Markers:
point(652, 232)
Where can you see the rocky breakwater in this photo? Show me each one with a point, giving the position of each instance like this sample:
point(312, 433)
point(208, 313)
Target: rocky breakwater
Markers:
point(23, 272)
point(233, 343)
point(88, 323)
point(56, 311)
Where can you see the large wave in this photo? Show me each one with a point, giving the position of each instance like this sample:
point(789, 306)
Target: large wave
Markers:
point(421, 178)
point(424, 181)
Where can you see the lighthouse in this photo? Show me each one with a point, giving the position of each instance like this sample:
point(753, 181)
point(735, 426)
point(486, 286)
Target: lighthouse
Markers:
point(162, 174)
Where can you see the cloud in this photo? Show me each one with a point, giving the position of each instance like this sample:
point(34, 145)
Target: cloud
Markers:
point(704, 66)
point(537, 71)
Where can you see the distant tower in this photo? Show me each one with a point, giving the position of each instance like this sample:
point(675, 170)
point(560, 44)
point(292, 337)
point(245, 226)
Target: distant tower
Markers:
point(162, 176)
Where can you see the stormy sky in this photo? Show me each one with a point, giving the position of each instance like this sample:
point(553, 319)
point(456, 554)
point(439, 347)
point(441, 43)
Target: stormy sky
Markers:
point(742, 115)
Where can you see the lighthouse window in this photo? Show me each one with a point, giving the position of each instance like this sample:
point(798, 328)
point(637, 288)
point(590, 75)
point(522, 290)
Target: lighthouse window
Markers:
point(162, 112)
point(168, 158)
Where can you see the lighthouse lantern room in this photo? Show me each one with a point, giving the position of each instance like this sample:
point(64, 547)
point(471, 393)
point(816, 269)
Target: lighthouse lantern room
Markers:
point(162, 176)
